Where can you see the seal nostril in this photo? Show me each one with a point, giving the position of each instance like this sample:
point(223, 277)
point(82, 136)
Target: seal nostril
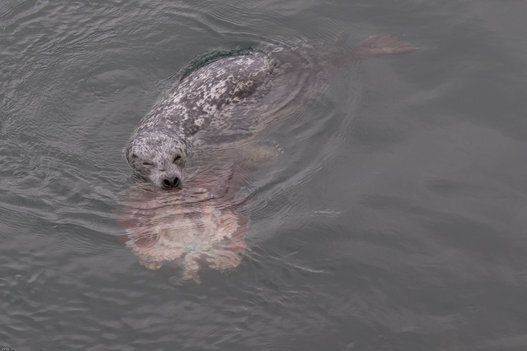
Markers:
point(177, 182)
point(167, 183)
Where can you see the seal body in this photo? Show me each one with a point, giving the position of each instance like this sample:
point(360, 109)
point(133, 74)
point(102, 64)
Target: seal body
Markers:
point(201, 97)
point(203, 100)
point(228, 97)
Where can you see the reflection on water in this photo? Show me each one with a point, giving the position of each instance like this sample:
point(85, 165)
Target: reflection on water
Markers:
point(391, 219)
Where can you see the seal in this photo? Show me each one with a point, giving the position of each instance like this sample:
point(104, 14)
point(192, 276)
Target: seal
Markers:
point(159, 148)
point(209, 97)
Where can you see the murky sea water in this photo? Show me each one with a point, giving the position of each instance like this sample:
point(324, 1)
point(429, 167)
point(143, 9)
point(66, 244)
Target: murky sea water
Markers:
point(394, 219)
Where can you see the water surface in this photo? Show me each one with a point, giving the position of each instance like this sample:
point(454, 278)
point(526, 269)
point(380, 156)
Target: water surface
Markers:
point(394, 220)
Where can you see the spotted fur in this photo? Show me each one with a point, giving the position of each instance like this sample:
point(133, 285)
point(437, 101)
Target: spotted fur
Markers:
point(160, 146)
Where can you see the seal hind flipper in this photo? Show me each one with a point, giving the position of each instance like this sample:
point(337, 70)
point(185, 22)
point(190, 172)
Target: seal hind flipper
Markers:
point(376, 45)
point(372, 46)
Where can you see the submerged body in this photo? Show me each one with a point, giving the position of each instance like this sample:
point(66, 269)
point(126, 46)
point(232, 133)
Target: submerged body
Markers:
point(229, 98)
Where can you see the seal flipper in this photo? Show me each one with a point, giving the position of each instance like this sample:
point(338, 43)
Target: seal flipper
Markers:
point(377, 45)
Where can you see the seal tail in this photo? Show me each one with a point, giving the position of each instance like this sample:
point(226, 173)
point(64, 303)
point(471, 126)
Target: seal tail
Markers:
point(373, 46)
point(377, 45)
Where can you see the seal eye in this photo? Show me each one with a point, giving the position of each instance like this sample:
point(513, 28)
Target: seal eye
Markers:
point(147, 164)
point(176, 158)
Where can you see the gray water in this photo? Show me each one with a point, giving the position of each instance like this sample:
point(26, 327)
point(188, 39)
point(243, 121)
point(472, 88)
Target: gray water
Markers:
point(394, 220)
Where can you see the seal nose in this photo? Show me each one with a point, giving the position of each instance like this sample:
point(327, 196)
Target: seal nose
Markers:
point(169, 183)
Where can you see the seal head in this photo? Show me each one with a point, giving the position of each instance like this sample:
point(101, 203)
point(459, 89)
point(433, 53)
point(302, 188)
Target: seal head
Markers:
point(157, 158)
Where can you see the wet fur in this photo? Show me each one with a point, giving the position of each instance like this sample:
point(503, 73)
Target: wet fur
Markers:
point(201, 99)
point(162, 143)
